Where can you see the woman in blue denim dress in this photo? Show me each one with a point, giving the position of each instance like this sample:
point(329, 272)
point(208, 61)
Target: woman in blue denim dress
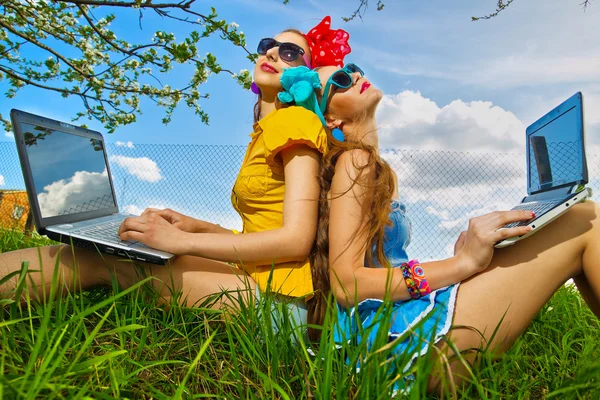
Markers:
point(362, 227)
point(431, 313)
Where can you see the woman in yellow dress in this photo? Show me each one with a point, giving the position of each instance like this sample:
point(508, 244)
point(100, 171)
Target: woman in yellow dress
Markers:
point(275, 193)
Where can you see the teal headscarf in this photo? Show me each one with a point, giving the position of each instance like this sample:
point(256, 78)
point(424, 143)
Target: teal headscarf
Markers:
point(299, 84)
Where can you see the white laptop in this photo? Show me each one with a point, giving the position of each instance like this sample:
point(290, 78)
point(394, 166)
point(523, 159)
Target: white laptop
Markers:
point(70, 188)
point(556, 166)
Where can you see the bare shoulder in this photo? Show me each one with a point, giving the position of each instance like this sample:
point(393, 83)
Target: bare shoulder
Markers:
point(351, 161)
point(352, 173)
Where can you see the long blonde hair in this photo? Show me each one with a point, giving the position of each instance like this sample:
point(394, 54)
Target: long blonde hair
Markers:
point(381, 191)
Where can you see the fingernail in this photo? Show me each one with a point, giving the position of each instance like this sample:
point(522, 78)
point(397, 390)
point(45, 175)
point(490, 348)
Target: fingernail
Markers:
point(532, 214)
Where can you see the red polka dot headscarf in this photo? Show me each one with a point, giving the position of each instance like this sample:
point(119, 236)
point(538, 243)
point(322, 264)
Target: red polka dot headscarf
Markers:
point(328, 47)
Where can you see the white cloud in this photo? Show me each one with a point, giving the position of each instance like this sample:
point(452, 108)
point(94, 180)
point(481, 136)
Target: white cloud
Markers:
point(449, 250)
point(9, 135)
point(534, 105)
point(409, 120)
point(132, 209)
point(461, 222)
point(143, 168)
point(77, 193)
point(1, 180)
point(432, 211)
point(448, 181)
point(591, 101)
point(128, 144)
point(465, 176)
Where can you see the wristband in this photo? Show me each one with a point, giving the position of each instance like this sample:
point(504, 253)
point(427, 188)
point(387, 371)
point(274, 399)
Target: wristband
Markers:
point(419, 277)
point(411, 285)
point(414, 277)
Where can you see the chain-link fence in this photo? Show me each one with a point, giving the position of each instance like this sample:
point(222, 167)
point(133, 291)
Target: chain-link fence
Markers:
point(441, 190)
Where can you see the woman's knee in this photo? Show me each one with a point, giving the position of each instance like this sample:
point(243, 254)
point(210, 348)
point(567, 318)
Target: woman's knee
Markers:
point(91, 267)
point(455, 357)
point(582, 220)
point(582, 215)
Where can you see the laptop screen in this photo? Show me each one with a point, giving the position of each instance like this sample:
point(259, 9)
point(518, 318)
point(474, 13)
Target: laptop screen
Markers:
point(69, 171)
point(556, 152)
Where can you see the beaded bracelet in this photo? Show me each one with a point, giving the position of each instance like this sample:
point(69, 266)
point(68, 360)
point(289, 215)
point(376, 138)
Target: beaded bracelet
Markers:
point(414, 277)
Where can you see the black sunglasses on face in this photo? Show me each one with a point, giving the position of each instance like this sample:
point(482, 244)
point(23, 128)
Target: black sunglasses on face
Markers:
point(288, 52)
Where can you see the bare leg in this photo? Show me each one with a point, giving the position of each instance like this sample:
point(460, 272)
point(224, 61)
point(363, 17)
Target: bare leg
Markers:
point(587, 293)
point(522, 278)
point(193, 277)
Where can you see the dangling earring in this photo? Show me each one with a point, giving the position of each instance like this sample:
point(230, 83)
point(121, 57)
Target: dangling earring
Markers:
point(338, 134)
point(254, 88)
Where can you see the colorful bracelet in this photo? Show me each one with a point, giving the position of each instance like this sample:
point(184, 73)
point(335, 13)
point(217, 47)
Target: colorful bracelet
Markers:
point(411, 285)
point(414, 277)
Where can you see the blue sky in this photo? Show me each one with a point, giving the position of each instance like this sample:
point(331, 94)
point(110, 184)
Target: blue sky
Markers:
point(524, 61)
point(449, 84)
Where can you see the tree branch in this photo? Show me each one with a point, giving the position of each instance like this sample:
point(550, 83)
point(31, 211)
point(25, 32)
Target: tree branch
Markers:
point(95, 29)
point(502, 5)
point(11, 72)
point(184, 5)
point(43, 46)
point(13, 48)
point(159, 7)
point(362, 9)
point(33, 16)
point(106, 74)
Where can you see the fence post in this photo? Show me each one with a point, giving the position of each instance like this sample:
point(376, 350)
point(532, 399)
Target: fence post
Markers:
point(29, 224)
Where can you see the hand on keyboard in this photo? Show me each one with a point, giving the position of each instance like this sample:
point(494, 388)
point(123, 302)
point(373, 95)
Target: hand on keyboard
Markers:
point(538, 209)
point(155, 231)
point(183, 222)
point(475, 247)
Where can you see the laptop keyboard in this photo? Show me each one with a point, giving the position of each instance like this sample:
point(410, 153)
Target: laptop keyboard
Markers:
point(538, 208)
point(107, 232)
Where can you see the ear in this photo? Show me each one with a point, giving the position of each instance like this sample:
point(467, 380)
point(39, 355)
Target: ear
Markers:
point(333, 123)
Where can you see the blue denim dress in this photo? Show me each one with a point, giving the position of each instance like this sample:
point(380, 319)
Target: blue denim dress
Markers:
point(417, 321)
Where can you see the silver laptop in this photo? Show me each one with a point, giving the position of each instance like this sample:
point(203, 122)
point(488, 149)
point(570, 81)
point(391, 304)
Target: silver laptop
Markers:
point(556, 166)
point(70, 188)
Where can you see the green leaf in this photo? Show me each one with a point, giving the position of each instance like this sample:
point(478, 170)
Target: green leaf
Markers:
point(96, 361)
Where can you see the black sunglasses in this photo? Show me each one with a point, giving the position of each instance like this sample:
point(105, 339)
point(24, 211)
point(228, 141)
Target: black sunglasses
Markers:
point(288, 52)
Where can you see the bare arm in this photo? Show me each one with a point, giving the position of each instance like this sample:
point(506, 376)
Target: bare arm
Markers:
point(208, 227)
point(291, 242)
point(351, 281)
point(186, 223)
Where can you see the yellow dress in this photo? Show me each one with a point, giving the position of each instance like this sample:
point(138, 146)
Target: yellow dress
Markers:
point(258, 191)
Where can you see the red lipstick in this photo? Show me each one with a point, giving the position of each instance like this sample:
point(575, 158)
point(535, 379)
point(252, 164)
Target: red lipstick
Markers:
point(268, 68)
point(364, 87)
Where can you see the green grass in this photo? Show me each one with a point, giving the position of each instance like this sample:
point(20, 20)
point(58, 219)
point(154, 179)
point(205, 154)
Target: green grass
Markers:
point(111, 343)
